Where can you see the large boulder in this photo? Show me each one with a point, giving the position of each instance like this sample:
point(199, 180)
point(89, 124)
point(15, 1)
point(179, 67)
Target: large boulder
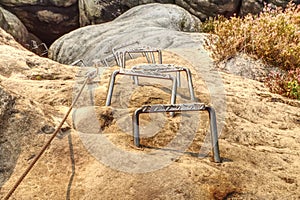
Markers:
point(210, 8)
point(48, 19)
point(256, 6)
point(59, 3)
point(25, 113)
point(251, 6)
point(96, 12)
point(51, 19)
point(204, 9)
point(258, 163)
point(9, 148)
point(159, 25)
point(281, 3)
point(7, 102)
point(11, 24)
point(132, 3)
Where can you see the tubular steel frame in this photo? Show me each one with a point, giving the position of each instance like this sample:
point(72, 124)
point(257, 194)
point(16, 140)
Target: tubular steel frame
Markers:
point(140, 74)
point(120, 55)
point(166, 68)
point(77, 62)
point(179, 108)
point(35, 47)
point(105, 60)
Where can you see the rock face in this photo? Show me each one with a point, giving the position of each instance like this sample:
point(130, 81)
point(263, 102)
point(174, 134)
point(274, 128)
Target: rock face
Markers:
point(7, 155)
point(21, 116)
point(132, 3)
point(159, 25)
point(10, 23)
point(204, 9)
point(256, 6)
point(50, 19)
point(251, 6)
point(258, 141)
point(281, 3)
point(244, 66)
point(259, 144)
point(96, 12)
point(46, 19)
point(210, 8)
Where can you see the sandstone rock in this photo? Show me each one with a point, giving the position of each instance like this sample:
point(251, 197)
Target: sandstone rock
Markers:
point(158, 25)
point(46, 19)
point(251, 6)
point(204, 9)
point(256, 6)
point(96, 12)
point(7, 39)
point(282, 3)
point(22, 63)
point(50, 19)
point(259, 145)
point(15, 27)
point(245, 66)
point(22, 116)
point(58, 3)
point(4, 23)
point(6, 105)
point(8, 156)
point(209, 8)
point(132, 3)
point(10, 23)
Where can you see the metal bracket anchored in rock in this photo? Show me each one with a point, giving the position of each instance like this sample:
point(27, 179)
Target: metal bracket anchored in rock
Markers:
point(76, 62)
point(166, 68)
point(119, 54)
point(105, 61)
point(137, 73)
point(148, 52)
point(179, 108)
point(36, 48)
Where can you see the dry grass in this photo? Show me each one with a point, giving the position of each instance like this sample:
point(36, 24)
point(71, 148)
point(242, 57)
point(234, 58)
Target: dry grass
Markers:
point(273, 36)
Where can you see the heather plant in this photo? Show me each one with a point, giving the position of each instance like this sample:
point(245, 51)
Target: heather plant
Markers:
point(286, 84)
point(272, 36)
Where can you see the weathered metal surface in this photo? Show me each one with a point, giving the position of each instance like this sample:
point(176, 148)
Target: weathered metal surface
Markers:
point(166, 68)
point(173, 108)
point(137, 73)
point(120, 53)
point(179, 108)
point(80, 61)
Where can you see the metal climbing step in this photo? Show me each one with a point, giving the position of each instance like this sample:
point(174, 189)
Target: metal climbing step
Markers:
point(120, 53)
point(167, 68)
point(179, 108)
point(139, 73)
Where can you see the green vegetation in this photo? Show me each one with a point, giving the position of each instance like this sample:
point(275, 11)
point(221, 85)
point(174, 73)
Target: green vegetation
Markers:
point(273, 36)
